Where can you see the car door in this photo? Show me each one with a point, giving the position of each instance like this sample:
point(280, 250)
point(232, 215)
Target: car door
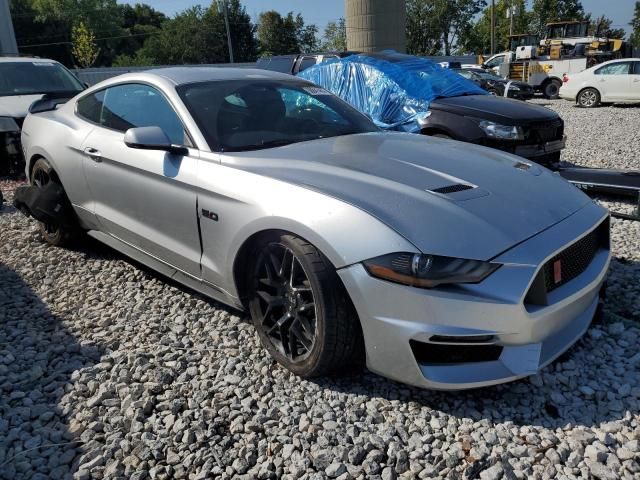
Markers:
point(146, 198)
point(634, 82)
point(613, 81)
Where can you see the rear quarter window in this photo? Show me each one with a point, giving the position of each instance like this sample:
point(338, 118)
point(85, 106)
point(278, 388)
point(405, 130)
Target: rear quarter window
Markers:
point(90, 107)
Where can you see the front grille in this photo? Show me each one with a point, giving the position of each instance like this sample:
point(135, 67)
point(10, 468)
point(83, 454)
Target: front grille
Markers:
point(544, 131)
point(568, 264)
point(456, 187)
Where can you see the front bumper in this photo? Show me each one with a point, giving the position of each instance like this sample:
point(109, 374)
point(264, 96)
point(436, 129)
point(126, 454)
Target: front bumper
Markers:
point(11, 157)
point(540, 149)
point(529, 337)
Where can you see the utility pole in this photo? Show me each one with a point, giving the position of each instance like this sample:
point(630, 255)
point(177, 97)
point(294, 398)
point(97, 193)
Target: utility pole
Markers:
point(8, 45)
point(223, 6)
point(493, 27)
point(512, 12)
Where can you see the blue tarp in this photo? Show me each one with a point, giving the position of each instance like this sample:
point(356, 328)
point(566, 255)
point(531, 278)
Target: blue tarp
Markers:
point(394, 89)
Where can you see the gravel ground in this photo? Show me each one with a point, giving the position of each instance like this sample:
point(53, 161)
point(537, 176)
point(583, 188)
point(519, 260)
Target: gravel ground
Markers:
point(108, 370)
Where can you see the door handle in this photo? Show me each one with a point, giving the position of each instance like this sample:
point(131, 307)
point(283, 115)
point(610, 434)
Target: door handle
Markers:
point(93, 154)
point(636, 80)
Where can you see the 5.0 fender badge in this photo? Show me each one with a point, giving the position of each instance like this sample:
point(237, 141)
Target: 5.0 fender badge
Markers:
point(210, 215)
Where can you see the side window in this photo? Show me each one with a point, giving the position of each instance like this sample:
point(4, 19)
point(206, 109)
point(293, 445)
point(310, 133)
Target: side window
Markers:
point(621, 68)
point(495, 62)
point(307, 62)
point(282, 65)
point(90, 107)
point(636, 68)
point(134, 105)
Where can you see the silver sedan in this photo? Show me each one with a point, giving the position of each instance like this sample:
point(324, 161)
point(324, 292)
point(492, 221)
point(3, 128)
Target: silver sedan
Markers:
point(441, 264)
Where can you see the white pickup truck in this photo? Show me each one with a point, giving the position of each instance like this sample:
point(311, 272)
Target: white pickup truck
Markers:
point(543, 75)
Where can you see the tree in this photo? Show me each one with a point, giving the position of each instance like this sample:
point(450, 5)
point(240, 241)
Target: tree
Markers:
point(47, 40)
point(198, 35)
point(102, 17)
point(140, 21)
point(635, 26)
point(434, 26)
point(478, 37)
point(278, 35)
point(545, 11)
point(423, 37)
point(243, 31)
point(335, 36)
point(601, 27)
point(307, 36)
point(84, 50)
point(184, 39)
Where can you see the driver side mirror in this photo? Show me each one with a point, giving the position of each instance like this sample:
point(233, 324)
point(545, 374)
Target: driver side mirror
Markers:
point(151, 138)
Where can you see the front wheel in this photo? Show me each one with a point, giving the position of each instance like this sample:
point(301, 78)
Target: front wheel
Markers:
point(552, 89)
point(589, 98)
point(300, 309)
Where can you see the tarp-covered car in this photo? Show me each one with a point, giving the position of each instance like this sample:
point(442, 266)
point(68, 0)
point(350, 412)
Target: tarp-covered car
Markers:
point(408, 93)
point(22, 82)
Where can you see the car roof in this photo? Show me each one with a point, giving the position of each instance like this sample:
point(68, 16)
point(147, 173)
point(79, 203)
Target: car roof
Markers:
point(184, 75)
point(26, 60)
point(618, 60)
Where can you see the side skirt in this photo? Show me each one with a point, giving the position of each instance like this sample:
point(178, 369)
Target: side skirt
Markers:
point(200, 286)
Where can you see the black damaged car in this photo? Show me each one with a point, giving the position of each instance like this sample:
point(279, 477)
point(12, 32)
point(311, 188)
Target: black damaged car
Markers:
point(22, 82)
point(409, 93)
point(497, 85)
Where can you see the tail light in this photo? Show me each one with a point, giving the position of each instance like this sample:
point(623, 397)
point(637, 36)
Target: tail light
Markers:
point(565, 78)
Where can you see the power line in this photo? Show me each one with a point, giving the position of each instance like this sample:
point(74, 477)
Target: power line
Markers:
point(97, 39)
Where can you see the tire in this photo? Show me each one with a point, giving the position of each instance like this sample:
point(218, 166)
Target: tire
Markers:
point(551, 89)
point(588, 98)
point(301, 310)
point(42, 174)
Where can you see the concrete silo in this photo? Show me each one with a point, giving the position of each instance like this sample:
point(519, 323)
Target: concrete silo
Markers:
point(374, 25)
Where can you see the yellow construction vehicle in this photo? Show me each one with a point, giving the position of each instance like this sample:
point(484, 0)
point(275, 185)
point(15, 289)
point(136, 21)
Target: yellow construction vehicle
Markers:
point(566, 48)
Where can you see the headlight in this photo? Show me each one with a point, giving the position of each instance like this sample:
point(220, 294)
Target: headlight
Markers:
point(505, 132)
point(515, 88)
point(8, 124)
point(427, 271)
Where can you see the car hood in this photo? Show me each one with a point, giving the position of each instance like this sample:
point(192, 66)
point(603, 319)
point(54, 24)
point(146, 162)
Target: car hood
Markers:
point(503, 110)
point(17, 106)
point(405, 180)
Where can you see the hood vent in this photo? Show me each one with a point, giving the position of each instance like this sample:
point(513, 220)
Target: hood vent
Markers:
point(456, 187)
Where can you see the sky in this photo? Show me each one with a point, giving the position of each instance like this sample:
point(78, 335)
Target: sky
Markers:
point(322, 12)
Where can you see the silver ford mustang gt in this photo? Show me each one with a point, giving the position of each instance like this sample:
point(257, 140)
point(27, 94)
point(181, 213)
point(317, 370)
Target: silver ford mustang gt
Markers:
point(444, 265)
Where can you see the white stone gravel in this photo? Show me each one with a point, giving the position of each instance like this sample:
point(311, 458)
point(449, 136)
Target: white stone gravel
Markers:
point(108, 370)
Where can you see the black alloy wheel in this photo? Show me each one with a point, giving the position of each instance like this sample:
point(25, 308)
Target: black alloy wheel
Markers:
point(302, 312)
point(286, 304)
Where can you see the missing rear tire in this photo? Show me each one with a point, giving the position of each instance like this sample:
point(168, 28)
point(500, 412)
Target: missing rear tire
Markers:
point(56, 235)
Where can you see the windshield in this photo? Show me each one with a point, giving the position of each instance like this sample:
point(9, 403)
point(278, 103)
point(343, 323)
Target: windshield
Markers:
point(242, 115)
point(30, 78)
